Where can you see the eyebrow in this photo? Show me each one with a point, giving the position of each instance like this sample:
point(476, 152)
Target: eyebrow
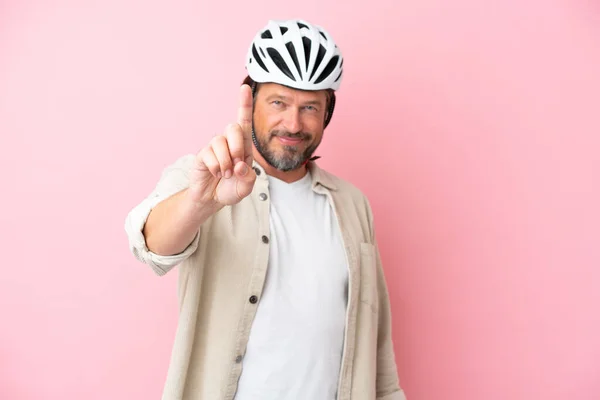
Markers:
point(285, 98)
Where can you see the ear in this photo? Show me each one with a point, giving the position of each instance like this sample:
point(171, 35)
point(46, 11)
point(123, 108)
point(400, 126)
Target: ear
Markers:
point(330, 108)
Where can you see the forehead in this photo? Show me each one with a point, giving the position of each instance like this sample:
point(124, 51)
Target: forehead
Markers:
point(294, 95)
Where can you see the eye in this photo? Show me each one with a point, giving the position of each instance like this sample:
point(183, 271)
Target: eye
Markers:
point(277, 103)
point(310, 108)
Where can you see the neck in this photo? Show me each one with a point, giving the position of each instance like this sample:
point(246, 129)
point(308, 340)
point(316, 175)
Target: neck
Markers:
point(286, 176)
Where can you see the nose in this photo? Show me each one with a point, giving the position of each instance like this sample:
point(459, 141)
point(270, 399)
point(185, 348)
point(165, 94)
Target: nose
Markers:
point(292, 122)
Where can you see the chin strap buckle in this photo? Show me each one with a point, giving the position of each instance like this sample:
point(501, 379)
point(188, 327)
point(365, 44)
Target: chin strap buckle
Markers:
point(311, 159)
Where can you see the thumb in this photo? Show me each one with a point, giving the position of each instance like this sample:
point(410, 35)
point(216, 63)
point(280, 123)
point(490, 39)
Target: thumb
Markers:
point(245, 179)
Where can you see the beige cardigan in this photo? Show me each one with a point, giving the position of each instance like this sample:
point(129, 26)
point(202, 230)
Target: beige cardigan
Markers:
point(221, 276)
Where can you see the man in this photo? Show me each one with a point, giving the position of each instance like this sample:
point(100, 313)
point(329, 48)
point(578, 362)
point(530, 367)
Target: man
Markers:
point(281, 290)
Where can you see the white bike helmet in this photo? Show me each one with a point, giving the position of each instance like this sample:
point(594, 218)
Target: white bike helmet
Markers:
point(297, 54)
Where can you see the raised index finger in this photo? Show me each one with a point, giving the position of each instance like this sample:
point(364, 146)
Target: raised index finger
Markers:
point(245, 120)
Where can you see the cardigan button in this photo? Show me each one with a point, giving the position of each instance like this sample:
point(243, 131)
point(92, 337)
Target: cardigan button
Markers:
point(253, 299)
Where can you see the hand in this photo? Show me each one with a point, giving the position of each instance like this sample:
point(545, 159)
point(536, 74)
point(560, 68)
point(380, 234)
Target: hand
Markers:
point(223, 173)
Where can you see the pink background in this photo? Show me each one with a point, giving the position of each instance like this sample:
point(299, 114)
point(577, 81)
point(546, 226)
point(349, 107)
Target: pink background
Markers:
point(472, 125)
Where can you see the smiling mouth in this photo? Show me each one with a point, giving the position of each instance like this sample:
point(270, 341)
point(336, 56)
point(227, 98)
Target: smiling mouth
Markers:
point(290, 141)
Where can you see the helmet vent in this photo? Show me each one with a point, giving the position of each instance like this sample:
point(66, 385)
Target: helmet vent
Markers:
point(280, 63)
point(292, 51)
point(339, 76)
point(328, 69)
point(307, 45)
point(258, 59)
point(320, 56)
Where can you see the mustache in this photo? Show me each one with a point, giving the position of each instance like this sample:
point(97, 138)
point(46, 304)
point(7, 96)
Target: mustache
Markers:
point(299, 135)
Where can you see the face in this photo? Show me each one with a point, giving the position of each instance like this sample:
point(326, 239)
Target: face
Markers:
point(288, 124)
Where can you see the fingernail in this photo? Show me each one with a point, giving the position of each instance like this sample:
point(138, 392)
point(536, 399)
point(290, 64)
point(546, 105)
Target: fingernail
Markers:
point(228, 174)
point(244, 170)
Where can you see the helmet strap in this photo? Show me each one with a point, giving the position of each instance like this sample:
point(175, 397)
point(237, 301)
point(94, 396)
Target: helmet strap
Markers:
point(254, 134)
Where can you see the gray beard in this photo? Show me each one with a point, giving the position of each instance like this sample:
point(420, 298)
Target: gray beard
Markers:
point(288, 160)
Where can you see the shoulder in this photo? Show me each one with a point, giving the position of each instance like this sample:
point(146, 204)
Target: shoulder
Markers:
point(352, 202)
point(174, 175)
point(183, 163)
point(346, 191)
point(344, 186)
point(178, 168)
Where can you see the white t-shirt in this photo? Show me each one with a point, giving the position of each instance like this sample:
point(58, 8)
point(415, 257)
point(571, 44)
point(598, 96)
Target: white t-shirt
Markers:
point(295, 346)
